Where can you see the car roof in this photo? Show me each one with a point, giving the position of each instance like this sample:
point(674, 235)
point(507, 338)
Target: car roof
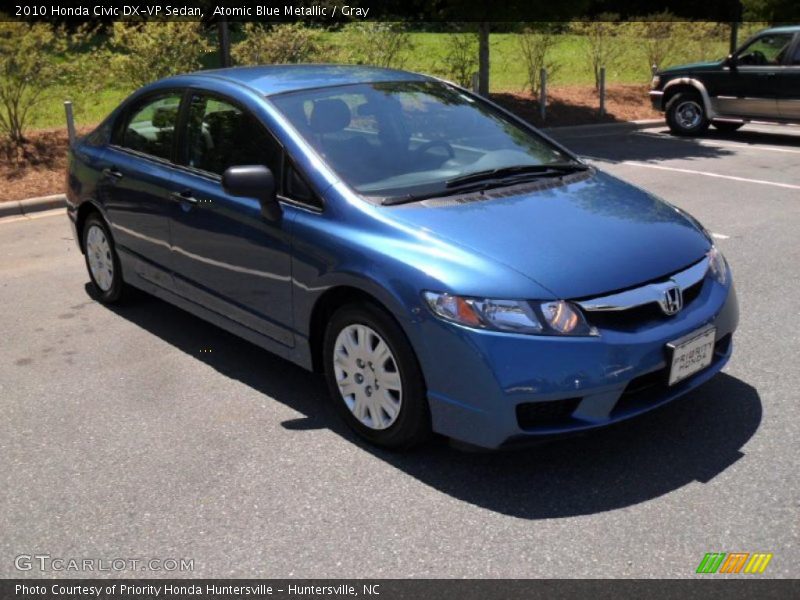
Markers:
point(276, 79)
point(783, 29)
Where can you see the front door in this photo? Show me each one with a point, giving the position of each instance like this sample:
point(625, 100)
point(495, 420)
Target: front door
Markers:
point(751, 87)
point(136, 182)
point(225, 255)
point(789, 93)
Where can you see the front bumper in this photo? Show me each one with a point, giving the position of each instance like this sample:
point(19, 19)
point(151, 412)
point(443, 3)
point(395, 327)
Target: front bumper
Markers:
point(657, 100)
point(492, 389)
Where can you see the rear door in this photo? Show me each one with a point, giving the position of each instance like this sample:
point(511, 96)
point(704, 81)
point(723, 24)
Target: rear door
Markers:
point(136, 184)
point(226, 256)
point(789, 93)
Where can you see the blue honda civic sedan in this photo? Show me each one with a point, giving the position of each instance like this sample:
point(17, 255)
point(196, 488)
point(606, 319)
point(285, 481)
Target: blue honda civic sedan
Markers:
point(448, 267)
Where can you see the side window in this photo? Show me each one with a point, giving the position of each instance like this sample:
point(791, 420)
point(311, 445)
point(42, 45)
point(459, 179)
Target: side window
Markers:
point(150, 128)
point(796, 58)
point(220, 135)
point(296, 188)
point(768, 50)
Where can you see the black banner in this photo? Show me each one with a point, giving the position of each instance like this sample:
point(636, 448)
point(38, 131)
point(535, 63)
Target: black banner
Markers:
point(394, 589)
point(335, 11)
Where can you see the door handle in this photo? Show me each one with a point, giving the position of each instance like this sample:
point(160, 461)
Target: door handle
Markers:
point(184, 196)
point(113, 172)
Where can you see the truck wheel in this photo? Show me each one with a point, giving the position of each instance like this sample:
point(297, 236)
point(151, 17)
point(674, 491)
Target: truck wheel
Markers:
point(686, 115)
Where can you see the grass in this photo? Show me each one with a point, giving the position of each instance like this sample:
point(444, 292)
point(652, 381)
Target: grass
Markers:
point(507, 72)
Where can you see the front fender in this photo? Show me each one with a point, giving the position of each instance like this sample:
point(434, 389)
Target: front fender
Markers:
point(697, 85)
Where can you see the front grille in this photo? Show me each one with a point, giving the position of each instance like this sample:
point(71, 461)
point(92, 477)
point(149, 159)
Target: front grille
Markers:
point(633, 318)
point(531, 415)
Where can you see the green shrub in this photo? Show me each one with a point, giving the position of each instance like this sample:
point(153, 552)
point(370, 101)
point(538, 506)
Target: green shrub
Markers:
point(535, 46)
point(281, 44)
point(460, 59)
point(31, 64)
point(601, 42)
point(378, 44)
point(139, 53)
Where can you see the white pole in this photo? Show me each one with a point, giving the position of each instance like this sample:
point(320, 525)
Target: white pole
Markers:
point(602, 92)
point(543, 94)
point(70, 122)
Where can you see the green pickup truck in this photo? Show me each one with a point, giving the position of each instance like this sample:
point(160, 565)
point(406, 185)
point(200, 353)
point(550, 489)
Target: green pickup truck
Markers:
point(759, 82)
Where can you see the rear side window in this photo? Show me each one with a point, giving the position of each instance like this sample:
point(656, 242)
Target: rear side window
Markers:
point(150, 128)
point(796, 57)
point(220, 135)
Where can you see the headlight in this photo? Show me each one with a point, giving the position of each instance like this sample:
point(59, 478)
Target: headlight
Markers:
point(554, 317)
point(655, 82)
point(717, 265)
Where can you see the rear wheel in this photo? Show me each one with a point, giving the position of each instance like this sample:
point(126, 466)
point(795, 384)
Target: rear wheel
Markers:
point(686, 115)
point(374, 378)
point(102, 261)
point(727, 126)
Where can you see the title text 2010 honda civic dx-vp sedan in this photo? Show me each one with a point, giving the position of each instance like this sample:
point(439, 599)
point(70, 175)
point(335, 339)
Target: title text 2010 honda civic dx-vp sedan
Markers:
point(447, 267)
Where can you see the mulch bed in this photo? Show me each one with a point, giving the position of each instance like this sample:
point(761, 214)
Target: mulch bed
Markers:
point(580, 105)
point(38, 168)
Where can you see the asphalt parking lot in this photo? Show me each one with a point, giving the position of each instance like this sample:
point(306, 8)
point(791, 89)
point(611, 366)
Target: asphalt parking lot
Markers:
point(141, 431)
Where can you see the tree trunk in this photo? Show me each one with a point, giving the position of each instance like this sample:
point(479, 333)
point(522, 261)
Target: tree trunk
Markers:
point(224, 43)
point(483, 59)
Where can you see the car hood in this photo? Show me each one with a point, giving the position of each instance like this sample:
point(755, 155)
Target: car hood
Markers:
point(576, 240)
point(691, 68)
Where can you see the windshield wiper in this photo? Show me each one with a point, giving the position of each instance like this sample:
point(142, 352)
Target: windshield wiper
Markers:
point(484, 180)
point(543, 170)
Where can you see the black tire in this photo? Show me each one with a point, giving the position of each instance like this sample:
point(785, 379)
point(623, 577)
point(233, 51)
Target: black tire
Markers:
point(412, 425)
point(105, 292)
point(686, 115)
point(727, 126)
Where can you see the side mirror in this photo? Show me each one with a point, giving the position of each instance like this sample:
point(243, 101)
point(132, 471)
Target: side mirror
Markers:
point(730, 61)
point(253, 181)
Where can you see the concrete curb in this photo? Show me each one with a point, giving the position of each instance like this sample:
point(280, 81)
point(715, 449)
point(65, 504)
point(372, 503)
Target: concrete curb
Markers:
point(32, 205)
point(604, 127)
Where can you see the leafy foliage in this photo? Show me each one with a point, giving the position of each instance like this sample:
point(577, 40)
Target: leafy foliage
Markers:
point(461, 58)
point(139, 53)
point(535, 46)
point(377, 44)
point(29, 69)
point(283, 43)
point(601, 42)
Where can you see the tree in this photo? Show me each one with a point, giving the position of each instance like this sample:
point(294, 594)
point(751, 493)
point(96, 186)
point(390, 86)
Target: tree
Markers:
point(534, 46)
point(461, 57)
point(31, 63)
point(284, 43)
point(378, 44)
point(600, 42)
point(656, 35)
point(143, 52)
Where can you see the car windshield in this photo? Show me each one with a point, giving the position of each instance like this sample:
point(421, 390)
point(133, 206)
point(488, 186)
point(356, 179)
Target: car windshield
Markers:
point(408, 140)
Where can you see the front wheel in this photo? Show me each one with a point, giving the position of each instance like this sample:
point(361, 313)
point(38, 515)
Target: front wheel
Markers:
point(102, 261)
point(374, 379)
point(686, 114)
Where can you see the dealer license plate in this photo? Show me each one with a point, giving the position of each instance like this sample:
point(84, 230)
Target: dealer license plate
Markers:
point(691, 353)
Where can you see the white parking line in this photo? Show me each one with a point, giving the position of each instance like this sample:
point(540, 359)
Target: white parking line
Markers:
point(788, 186)
point(720, 236)
point(715, 143)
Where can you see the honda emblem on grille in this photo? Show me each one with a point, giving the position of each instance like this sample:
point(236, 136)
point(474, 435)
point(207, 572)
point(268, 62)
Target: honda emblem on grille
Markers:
point(672, 301)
